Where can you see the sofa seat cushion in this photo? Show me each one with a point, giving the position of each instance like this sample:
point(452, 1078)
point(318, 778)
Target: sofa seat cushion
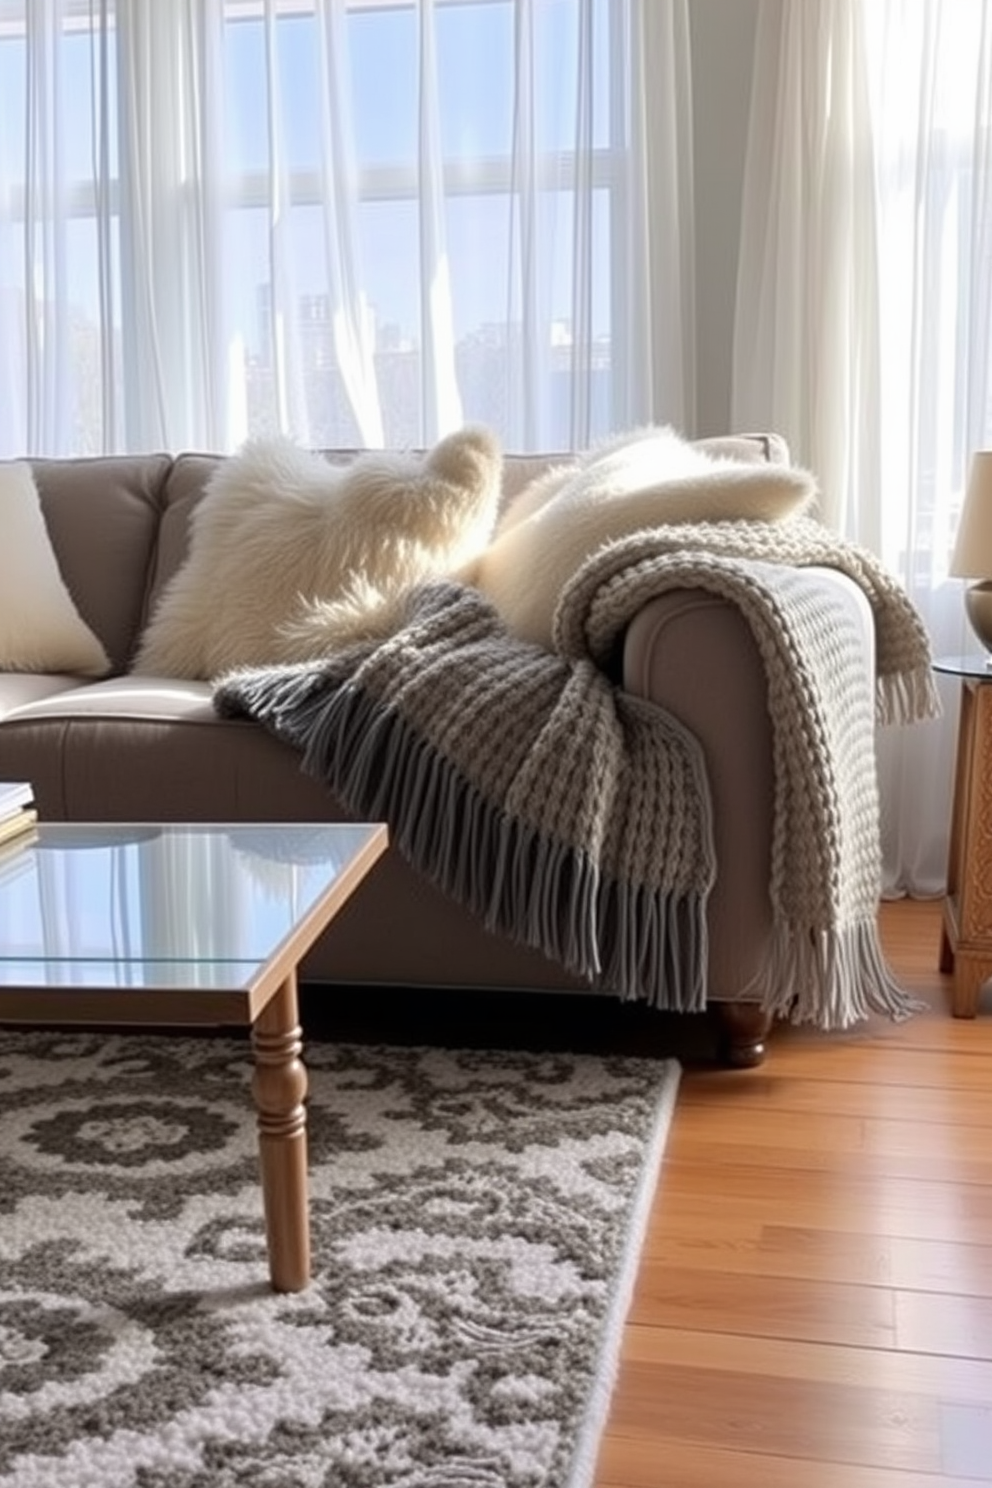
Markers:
point(124, 698)
point(23, 689)
point(141, 748)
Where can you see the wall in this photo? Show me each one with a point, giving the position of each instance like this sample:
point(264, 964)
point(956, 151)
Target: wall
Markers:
point(722, 42)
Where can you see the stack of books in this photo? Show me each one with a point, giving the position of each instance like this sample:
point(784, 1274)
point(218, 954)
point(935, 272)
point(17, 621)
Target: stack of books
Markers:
point(18, 813)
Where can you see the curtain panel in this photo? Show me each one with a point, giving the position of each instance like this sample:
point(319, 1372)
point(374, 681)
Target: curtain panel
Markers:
point(863, 328)
point(358, 223)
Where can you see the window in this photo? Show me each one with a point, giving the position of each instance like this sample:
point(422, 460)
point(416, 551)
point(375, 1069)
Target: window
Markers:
point(358, 223)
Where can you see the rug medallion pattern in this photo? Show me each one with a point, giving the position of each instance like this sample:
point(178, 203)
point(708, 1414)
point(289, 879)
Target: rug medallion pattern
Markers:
point(475, 1222)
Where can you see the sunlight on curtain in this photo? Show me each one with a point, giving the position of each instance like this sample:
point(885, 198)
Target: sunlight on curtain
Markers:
point(930, 67)
point(863, 327)
point(358, 223)
point(655, 285)
point(169, 185)
point(805, 339)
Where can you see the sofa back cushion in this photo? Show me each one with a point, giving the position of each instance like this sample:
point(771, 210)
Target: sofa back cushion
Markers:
point(520, 470)
point(185, 483)
point(102, 516)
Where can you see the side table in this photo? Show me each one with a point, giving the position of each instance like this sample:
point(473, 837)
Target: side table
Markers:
point(966, 933)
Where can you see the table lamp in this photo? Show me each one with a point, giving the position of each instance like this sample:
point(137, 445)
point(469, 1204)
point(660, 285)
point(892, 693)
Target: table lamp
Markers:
point(973, 548)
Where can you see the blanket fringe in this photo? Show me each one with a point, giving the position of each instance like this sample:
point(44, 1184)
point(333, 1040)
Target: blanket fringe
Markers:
point(907, 697)
point(655, 947)
point(829, 978)
point(640, 944)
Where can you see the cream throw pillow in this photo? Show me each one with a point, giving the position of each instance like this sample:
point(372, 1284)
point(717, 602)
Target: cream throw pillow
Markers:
point(650, 478)
point(40, 628)
point(292, 556)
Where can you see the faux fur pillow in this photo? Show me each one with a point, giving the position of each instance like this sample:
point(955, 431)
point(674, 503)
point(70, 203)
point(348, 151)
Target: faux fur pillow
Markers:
point(649, 479)
point(40, 628)
point(292, 557)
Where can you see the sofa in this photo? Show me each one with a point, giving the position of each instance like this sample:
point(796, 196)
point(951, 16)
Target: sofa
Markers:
point(129, 747)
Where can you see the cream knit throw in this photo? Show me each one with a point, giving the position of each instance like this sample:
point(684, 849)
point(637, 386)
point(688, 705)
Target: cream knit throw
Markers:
point(575, 817)
point(608, 591)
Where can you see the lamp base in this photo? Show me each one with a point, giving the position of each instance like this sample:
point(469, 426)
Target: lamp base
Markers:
point(978, 604)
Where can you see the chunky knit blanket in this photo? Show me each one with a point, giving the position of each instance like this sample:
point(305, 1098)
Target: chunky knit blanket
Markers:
point(575, 817)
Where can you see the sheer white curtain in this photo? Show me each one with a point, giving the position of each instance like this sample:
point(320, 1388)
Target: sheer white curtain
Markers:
point(863, 324)
point(805, 339)
point(357, 222)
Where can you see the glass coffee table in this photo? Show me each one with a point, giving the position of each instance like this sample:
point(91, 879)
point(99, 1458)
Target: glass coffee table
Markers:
point(143, 923)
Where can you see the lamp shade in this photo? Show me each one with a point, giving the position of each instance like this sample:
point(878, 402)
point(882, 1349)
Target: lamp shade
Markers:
point(973, 548)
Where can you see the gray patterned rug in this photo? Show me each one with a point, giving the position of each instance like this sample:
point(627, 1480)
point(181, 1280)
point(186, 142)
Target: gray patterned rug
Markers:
point(476, 1222)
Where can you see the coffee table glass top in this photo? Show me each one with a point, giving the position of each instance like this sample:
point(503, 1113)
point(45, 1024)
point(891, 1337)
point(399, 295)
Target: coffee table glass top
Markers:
point(180, 906)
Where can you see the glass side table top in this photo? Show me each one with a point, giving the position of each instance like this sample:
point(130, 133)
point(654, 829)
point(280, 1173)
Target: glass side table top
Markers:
point(178, 906)
point(978, 664)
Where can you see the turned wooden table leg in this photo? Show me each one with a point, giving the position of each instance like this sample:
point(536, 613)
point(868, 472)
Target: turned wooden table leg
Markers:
point(280, 1087)
point(743, 1029)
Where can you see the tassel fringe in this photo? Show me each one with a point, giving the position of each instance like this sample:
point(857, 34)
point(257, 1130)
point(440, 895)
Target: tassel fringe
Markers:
point(641, 944)
point(829, 978)
point(907, 697)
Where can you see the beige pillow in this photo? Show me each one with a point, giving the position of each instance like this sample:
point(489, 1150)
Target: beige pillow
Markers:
point(40, 628)
point(292, 556)
point(650, 478)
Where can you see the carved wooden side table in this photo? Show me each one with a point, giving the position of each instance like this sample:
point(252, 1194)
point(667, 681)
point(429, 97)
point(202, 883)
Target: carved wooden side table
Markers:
point(966, 934)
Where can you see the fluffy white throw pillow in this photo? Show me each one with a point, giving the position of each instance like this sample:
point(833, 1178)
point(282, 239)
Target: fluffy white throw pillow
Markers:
point(40, 628)
point(292, 556)
point(650, 478)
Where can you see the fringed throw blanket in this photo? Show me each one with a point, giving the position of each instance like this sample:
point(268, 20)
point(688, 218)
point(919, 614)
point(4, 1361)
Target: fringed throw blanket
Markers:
point(575, 817)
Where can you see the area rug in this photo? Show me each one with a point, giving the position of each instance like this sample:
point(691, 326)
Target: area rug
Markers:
point(476, 1222)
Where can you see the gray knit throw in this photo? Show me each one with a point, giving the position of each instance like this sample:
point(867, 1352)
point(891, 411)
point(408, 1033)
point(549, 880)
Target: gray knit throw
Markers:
point(574, 817)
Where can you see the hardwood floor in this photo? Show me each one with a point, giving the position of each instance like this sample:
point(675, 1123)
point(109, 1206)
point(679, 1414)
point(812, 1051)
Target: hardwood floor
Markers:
point(814, 1304)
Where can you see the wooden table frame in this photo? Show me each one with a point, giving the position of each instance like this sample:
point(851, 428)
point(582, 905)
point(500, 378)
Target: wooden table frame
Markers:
point(966, 933)
point(269, 1004)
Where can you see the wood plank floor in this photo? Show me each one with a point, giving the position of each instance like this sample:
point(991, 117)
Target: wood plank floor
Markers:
point(814, 1303)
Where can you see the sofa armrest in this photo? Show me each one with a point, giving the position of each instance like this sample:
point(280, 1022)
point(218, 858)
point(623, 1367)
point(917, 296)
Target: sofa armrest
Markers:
point(693, 653)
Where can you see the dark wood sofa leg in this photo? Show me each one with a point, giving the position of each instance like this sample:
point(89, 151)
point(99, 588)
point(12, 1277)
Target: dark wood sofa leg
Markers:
point(742, 1031)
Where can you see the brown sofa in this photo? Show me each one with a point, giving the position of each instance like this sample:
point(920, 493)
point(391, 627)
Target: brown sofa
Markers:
point(134, 748)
